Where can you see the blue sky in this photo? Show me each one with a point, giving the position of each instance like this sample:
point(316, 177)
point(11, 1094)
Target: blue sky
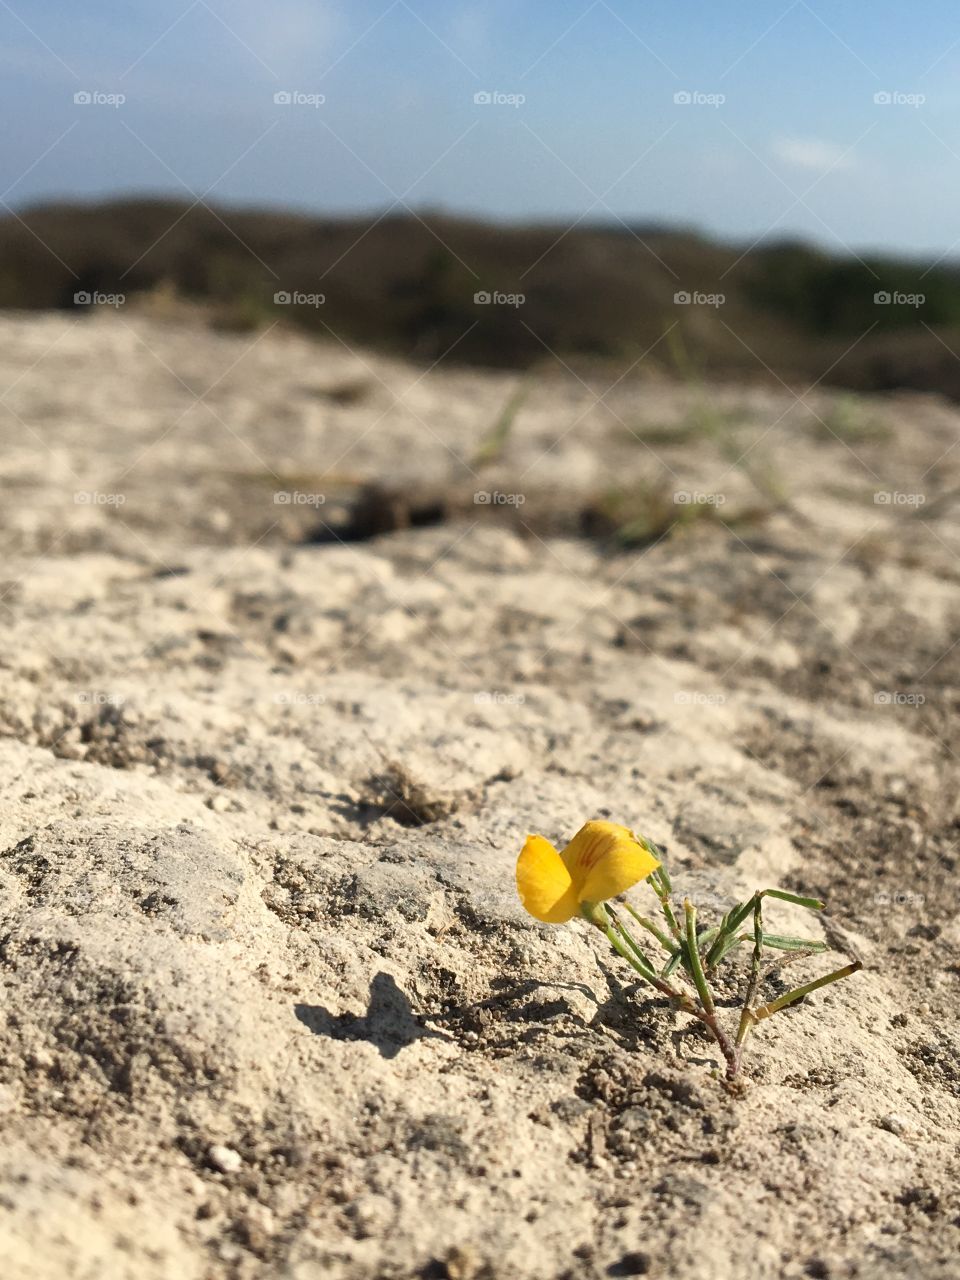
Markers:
point(782, 136)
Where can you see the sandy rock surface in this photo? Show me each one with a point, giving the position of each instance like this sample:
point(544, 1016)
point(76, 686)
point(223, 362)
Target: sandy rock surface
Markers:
point(270, 1005)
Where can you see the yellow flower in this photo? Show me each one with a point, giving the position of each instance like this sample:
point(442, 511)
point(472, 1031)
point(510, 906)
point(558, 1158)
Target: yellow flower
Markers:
point(601, 861)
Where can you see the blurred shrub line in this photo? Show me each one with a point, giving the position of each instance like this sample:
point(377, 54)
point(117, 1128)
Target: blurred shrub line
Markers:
point(408, 285)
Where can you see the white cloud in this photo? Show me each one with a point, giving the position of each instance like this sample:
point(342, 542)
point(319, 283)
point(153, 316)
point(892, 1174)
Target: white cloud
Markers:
point(469, 29)
point(288, 35)
point(812, 153)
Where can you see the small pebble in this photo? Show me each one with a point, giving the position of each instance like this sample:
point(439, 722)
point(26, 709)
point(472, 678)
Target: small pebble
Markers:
point(226, 1159)
point(462, 1263)
point(260, 1217)
point(895, 1124)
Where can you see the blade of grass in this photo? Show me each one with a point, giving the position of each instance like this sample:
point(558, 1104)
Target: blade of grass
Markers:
point(492, 445)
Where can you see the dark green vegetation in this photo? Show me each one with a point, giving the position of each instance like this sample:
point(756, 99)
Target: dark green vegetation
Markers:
point(592, 294)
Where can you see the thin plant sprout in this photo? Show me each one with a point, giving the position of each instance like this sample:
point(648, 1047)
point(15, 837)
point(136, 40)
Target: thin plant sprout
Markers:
point(677, 958)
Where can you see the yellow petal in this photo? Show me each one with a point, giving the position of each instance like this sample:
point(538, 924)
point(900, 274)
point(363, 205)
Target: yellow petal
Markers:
point(604, 859)
point(543, 882)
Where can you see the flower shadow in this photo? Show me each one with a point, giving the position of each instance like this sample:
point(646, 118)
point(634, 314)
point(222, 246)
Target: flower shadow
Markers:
point(389, 1023)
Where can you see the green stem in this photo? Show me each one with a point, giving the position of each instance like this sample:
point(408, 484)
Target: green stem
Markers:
point(730, 1052)
point(747, 1016)
point(661, 873)
point(693, 952)
point(661, 937)
point(632, 943)
point(670, 918)
point(634, 961)
point(660, 884)
point(675, 958)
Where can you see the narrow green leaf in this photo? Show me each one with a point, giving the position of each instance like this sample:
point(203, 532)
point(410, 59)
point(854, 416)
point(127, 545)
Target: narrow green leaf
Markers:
point(493, 443)
point(779, 943)
point(661, 937)
point(717, 944)
point(693, 955)
point(707, 938)
point(765, 1011)
point(739, 913)
point(668, 915)
point(812, 904)
point(630, 940)
point(661, 872)
point(635, 961)
point(733, 940)
point(679, 956)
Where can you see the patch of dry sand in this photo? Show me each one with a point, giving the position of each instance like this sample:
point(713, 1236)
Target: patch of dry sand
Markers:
point(271, 1007)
